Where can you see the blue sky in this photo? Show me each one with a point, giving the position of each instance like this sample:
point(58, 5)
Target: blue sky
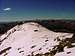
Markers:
point(16, 9)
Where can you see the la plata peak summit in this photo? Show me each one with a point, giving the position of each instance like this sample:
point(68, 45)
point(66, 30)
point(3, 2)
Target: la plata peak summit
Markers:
point(32, 39)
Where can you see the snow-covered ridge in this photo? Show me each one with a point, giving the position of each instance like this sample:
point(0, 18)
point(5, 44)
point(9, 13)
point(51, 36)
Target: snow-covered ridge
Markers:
point(31, 39)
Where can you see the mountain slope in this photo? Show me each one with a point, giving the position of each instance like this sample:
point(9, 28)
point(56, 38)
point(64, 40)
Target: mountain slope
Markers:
point(32, 39)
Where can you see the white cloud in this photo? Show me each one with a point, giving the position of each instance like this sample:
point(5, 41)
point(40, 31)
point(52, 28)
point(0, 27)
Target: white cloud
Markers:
point(7, 9)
